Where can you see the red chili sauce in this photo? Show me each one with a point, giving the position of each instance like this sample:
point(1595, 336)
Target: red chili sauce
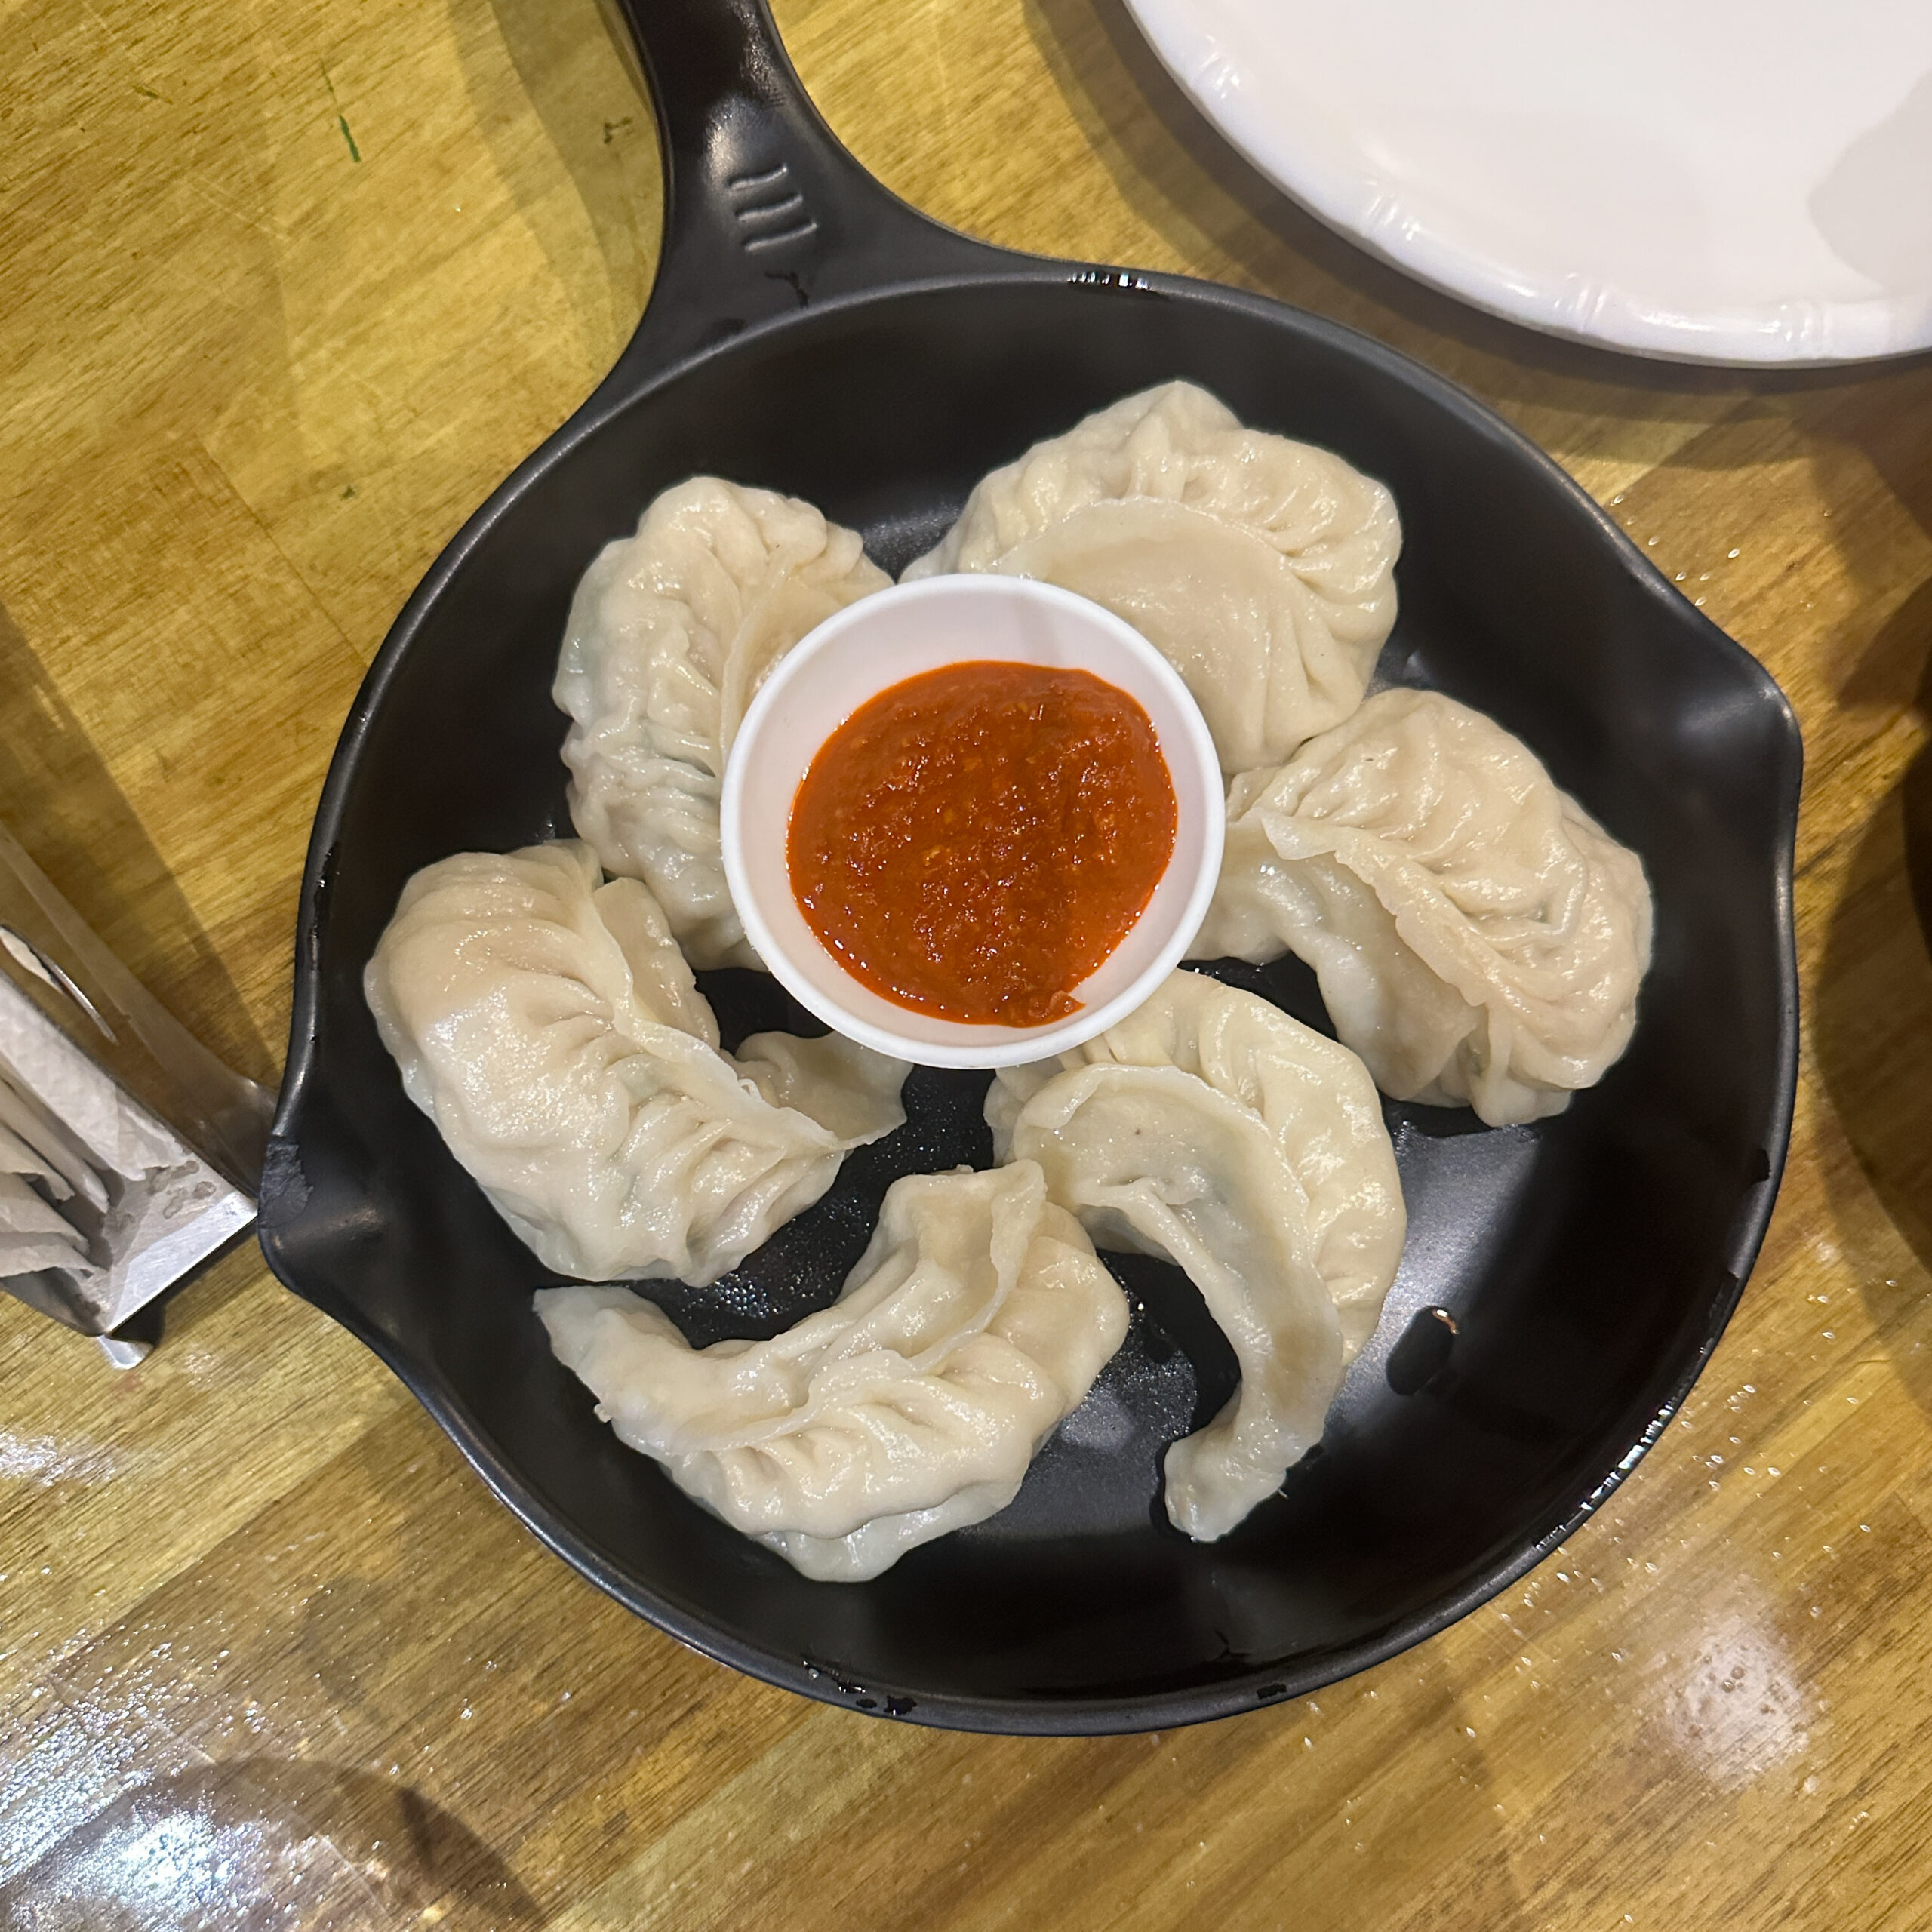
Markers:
point(975, 842)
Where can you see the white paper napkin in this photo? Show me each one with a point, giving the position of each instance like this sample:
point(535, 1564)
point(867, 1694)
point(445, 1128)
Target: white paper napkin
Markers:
point(102, 1206)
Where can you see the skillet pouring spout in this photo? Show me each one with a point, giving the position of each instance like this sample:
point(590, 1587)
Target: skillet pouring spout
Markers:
point(813, 335)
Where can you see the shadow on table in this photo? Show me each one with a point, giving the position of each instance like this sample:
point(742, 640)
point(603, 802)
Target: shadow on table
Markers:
point(574, 62)
point(64, 805)
point(1871, 1024)
point(265, 1841)
point(1871, 1010)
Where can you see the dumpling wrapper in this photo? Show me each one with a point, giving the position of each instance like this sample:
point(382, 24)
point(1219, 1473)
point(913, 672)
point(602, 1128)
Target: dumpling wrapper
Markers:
point(670, 634)
point(1479, 939)
point(976, 1319)
point(549, 1024)
point(1315, 1097)
point(1261, 568)
point(1212, 1129)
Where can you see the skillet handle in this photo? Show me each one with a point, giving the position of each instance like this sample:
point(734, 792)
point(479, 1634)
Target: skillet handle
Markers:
point(765, 212)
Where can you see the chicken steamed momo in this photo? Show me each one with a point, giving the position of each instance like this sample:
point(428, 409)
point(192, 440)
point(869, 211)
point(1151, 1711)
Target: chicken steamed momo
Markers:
point(1478, 938)
point(976, 1320)
point(1262, 569)
point(547, 1022)
point(1211, 1128)
point(670, 634)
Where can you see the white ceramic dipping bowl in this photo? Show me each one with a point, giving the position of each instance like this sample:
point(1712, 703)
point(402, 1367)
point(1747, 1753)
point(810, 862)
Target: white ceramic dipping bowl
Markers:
point(897, 634)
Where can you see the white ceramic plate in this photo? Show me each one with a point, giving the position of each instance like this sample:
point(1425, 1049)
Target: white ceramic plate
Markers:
point(1713, 180)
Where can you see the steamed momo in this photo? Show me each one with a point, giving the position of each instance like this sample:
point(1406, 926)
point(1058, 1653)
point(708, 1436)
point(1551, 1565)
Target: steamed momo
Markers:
point(1478, 938)
point(1211, 1127)
point(548, 1024)
point(1262, 569)
point(977, 1317)
point(671, 633)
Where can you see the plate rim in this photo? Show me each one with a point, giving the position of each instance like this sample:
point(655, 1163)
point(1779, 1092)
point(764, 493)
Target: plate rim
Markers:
point(1803, 333)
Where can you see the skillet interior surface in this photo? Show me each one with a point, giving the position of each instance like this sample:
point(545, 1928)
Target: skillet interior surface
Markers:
point(1588, 1263)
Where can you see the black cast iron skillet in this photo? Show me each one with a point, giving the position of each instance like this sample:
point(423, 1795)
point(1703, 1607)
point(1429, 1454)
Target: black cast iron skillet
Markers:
point(811, 334)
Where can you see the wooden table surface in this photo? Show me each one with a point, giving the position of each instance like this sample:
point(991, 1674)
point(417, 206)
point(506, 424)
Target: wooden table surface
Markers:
point(284, 292)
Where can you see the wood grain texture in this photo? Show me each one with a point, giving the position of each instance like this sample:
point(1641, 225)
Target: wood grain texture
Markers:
point(285, 291)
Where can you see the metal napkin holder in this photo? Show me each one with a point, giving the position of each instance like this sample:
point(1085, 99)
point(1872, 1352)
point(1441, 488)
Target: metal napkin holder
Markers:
point(82, 1036)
